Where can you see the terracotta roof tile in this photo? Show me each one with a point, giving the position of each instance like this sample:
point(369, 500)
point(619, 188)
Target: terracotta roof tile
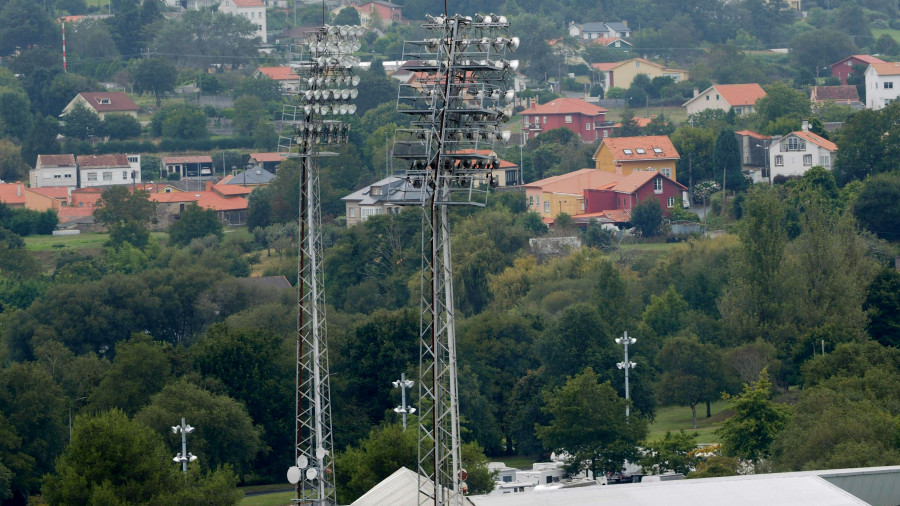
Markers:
point(575, 182)
point(749, 133)
point(54, 192)
point(69, 213)
point(816, 139)
point(118, 101)
point(740, 94)
point(279, 73)
point(861, 57)
point(232, 189)
point(12, 193)
point(637, 179)
point(102, 161)
point(654, 147)
point(837, 93)
point(566, 106)
point(248, 3)
point(887, 68)
point(187, 159)
point(268, 157)
point(56, 160)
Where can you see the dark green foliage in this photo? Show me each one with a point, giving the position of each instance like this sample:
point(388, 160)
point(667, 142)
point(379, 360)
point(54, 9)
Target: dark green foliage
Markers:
point(121, 126)
point(23, 24)
point(756, 422)
point(193, 223)
point(24, 222)
point(646, 216)
point(727, 160)
point(691, 373)
point(126, 214)
point(883, 305)
point(876, 206)
point(671, 453)
point(81, 122)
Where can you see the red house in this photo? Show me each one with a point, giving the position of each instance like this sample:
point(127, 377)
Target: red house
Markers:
point(613, 202)
point(841, 69)
point(586, 120)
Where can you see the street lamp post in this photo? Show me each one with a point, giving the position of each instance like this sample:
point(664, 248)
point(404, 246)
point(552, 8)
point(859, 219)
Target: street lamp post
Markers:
point(625, 340)
point(184, 457)
point(403, 384)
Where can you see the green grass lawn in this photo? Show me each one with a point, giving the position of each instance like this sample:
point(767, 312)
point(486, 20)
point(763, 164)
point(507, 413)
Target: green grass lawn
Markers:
point(517, 461)
point(675, 418)
point(277, 499)
point(75, 242)
point(878, 32)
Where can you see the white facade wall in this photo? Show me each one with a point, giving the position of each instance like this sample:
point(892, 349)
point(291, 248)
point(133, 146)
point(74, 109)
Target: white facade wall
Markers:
point(53, 176)
point(256, 15)
point(106, 176)
point(881, 90)
point(793, 156)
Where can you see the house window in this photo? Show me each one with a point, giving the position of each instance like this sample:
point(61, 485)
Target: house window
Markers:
point(637, 64)
point(376, 190)
point(546, 207)
point(582, 206)
point(824, 160)
point(807, 159)
point(657, 185)
point(69, 176)
point(530, 200)
point(717, 97)
point(670, 202)
point(526, 121)
point(666, 172)
point(107, 175)
point(640, 151)
point(512, 177)
point(352, 212)
point(606, 133)
point(707, 98)
point(57, 176)
point(888, 85)
point(91, 176)
point(587, 126)
point(657, 150)
point(779, 160)
point(125, 175)
point(545, 119)
point(627, 151)
point(568, 119)
point(104, 101)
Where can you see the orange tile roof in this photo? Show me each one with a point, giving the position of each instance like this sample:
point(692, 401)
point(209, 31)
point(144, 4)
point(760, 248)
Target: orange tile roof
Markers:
point(861, 57)
point(102, 161)
point(233, 189)
point(69, 213)
point(54, 192)
point(187, 159)
point(618, 215)
point(279, 73)
point(168, 198)
point(749, 133)
point(606, 66)
point(641, 122)
point(248, 3)
point(566, 106)
point(268, 157)
point(56, 160)
point(887, 68)
point(637, 179)
point(606, 41)
point(575, 182)
point(618, 145)
point(816, 139)
point(204, 199)
point(740, 94)
point(12, 193)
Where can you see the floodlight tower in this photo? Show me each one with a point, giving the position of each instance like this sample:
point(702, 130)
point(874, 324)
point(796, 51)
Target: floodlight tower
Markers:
point(327, 84)
point(459, 102)
point(625, 341)
point(184, 457)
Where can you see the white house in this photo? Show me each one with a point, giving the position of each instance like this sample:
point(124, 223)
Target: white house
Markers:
point(597, 30)
point(740, 97)
point(882, 84)
point(254, 10)
point(106, 170)
point(54, 170)
point(797, 152)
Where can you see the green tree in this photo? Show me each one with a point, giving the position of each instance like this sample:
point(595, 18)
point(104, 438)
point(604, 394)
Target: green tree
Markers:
point(646, 216)
point(756, 422)
point(121, 126)
point(126, 214)
point(195, 222)
point(248, 111)
point(185, 121)
point(81, 122)
point(24, 24)
point(224, 433)
point(155, 76)
point(876, 206)
point(691, 373)
point(587, 423)
point(727, 160)
point(15, 113)
point(205, 37)
point(384, 451)
point(41, 140)
point(820, 48)
point(883, 306)
point(781, 101)
point(12, 167)
point(671, 453)
point(141, 368)
point(346, 16)
point(114, 460)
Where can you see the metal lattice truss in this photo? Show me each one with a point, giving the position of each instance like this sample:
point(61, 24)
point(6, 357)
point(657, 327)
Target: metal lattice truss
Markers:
point(459, 100)
point(327, 86)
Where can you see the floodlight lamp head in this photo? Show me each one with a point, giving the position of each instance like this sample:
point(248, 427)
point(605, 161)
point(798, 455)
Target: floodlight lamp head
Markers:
point(501, 20)
point(188, 429)
point(191, 457)
point(631, 364)
point(174, 429)
point(621, 365)
point(505, 135)
point(509, 95)
point(177, 458)
point(513, 44)
point(396, 384)
point(513, 65)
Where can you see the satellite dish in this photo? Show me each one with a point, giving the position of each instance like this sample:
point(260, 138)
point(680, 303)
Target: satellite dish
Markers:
point(294, 474)
point(321, 453)
point(312, 473)
point(302, 462)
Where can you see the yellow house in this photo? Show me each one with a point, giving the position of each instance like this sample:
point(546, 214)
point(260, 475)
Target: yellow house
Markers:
point(620, 74)
point(624, 155)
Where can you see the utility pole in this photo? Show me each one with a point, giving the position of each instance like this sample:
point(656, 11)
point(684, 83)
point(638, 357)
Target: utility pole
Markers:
point(403, 384)
point(625, 340)
point(184, 457)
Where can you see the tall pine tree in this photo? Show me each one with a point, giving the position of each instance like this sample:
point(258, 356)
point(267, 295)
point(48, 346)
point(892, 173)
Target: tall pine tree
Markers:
point(727, 161)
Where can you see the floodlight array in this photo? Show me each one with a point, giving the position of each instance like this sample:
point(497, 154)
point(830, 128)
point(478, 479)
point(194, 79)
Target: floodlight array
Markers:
point(459, 101)
point(327, 86)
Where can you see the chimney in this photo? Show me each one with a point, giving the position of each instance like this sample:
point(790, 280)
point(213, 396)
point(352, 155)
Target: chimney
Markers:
point(696, 93)
point(209, 185)
point(805, 125)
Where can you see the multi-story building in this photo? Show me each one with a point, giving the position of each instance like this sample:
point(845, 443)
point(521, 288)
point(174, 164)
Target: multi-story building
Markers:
point(882, 84)
point(254, 10)
point(54, 170)
point(624, 155)
point(797, 152)
point(586, 120)
point(725, 97)
point(106, 170)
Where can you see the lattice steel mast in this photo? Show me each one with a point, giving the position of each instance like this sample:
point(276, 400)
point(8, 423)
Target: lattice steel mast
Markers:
point(327, 85)
point(458, 108)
